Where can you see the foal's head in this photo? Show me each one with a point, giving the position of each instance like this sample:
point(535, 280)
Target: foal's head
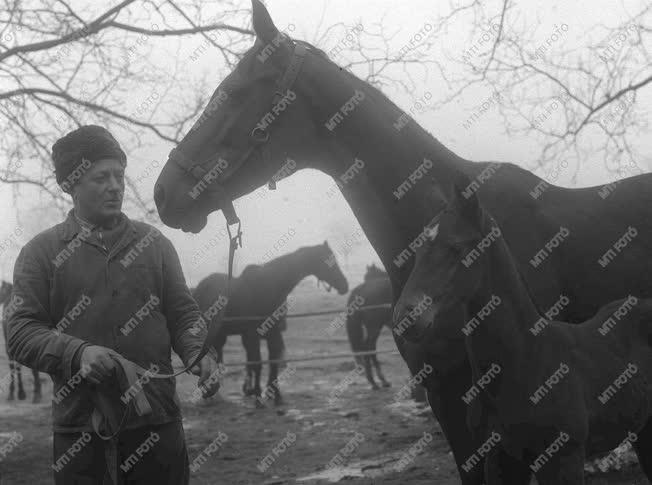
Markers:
point(442, 276)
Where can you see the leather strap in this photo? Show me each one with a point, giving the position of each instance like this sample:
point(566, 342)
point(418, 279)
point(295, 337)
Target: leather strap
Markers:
point(291, 73)
point(106, 420)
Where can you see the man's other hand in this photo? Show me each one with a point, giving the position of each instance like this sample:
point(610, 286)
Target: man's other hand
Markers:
point(96, 364)
point(207, 370)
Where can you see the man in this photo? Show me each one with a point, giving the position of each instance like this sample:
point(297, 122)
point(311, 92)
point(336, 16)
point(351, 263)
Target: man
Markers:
point(95, 287)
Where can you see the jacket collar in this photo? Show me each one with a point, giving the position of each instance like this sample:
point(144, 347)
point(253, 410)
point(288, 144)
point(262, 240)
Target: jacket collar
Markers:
point(71, 227)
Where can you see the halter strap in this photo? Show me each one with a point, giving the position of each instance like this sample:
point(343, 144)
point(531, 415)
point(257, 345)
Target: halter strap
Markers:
point(198, 171)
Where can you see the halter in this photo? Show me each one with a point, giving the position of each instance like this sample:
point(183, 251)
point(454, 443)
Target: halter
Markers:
point(258, 137)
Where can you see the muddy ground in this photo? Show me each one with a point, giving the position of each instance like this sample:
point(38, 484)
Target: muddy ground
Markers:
point(377, 429)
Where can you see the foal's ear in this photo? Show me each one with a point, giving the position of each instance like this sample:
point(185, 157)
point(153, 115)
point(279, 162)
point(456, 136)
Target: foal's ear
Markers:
point(262, 22)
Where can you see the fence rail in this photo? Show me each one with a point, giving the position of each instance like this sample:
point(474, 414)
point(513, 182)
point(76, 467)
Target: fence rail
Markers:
point(256, 318)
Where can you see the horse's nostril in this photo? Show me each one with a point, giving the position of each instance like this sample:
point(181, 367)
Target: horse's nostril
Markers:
point(159, 195)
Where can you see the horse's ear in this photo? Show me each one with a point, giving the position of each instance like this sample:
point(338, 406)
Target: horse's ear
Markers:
point(262, 22)
point(464, 198)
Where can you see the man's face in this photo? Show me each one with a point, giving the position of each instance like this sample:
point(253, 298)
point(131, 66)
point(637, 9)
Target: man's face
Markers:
point(98, 194)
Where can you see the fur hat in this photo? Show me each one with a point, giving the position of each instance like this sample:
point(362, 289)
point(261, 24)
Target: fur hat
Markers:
point(80, 148)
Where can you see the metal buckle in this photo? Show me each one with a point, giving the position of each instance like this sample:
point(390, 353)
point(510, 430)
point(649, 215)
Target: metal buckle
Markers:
point(257, 138)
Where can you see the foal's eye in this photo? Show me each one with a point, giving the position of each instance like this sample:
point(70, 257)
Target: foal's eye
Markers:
point(431, 232)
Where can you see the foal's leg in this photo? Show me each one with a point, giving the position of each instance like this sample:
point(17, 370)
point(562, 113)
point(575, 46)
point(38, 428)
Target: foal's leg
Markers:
point(643, 447)
point(37, 386)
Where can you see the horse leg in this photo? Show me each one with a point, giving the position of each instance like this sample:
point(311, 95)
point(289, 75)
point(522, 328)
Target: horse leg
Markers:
point(247, 385)
point(252, 346)
point(37, 387)
point(451, 416)
point(19, 375)
point(373, 339)
point(512, 469)
point(275, 348)
point(566, 466)
point(12, 375)
point(492, 472)
point(366, 346)
point(643, 448)
point(445, 399)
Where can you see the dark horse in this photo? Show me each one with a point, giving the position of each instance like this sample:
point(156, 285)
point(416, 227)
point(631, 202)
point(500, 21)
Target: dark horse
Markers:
point(262, 290)
point(538, 383)
point(334, 122)
point(363, 326)
point(15, 367)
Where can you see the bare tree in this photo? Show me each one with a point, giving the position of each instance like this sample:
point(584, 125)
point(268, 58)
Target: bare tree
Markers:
point(565, 98)
point(62, 67)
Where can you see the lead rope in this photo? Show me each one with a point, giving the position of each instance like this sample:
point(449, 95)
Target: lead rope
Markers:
point(111, 448)
point(213, 330)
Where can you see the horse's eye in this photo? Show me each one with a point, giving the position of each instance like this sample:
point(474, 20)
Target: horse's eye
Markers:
point(431, 232)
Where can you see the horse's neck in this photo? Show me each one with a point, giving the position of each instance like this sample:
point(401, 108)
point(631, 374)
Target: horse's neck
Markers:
point(285, 272)
point(501, 312)
point(391, 216)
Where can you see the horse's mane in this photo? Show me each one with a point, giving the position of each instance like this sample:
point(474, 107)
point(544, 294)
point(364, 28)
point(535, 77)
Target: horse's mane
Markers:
point(374, 272)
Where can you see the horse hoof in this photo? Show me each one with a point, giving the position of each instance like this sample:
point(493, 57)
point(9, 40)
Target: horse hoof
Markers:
point(22, 395)
point(386, 384)
point(36, 399)
point(278, 401)
point(259, 404)
point(10, 397)
point(375, 387)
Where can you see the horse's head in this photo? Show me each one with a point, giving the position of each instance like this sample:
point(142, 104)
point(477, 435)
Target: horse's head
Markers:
point(5, 291)
point(323, 264)
point(441, 276)
point(258, 127)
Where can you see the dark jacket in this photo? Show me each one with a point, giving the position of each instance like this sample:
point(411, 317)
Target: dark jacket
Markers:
point(70, 292)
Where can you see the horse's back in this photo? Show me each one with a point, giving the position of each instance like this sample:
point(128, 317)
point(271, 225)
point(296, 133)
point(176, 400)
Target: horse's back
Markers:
point(208, 290)
point(563, 238)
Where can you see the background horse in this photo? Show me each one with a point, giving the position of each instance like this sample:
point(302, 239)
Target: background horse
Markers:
point(15, 367)
point(337, 119)
point(364, 326)
point(262, 290)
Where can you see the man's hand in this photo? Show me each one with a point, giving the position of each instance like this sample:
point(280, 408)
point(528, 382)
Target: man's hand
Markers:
point(207, 370)
point(96, 364)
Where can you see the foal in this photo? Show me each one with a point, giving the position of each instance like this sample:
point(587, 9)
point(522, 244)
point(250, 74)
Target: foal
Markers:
point(548, 393)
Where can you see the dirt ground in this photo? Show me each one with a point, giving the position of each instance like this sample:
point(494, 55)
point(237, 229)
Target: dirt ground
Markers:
point(368, 427)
